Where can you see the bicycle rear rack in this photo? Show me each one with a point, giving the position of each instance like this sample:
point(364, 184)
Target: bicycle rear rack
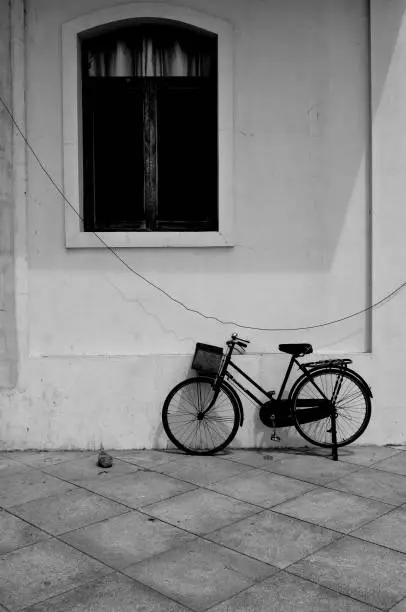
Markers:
point(343, 363)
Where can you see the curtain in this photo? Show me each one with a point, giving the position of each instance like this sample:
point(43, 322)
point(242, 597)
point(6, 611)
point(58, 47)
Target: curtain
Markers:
point(149, 51)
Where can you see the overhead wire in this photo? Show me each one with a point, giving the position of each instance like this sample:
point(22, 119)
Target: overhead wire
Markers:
point(174, 299)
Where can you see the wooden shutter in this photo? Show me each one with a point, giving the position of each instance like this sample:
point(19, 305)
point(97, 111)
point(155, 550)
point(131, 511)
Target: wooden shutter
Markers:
point(113, 156)
point(187, 156)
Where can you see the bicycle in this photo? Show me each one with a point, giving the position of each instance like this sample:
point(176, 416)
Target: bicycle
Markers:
point(329, 404)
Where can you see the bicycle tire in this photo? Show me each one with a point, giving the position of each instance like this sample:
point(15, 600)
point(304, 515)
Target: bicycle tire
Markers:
point(199, 436)
point(352, 407)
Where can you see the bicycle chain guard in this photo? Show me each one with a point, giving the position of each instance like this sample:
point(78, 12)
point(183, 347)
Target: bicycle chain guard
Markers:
point(276, 414)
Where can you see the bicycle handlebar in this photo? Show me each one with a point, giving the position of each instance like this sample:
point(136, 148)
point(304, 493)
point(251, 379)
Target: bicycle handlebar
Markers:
point(236, 339)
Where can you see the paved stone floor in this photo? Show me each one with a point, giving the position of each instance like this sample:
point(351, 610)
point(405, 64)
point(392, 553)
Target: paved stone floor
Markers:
point(270, 530)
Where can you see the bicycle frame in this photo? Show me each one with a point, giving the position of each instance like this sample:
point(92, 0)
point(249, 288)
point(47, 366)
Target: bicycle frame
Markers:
point(224, 373)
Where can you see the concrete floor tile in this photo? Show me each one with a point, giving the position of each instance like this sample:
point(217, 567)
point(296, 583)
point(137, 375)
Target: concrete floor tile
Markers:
point(67, 511)
point(374, 484)
point(365, 455)
point(310, 468)
point(164, 486)
point(333, 509)
point(15, 533)
point(38, 459)
point(287, 593)
point(273, 538)
point(263, 488)
point(201, 511)
point(202, 470)
point(253, 457)
point(86, 468)
point(395, 464)
point(20, 487)
point(309, 450)
point(369, 573)
point(139, 488)
point(126, 539)
point(260, 457)
point(305, 451)
point(11, 466)
point(114, 593)
point(200, 574)
point(146, 459)
point(35, 573)
point(388, 530)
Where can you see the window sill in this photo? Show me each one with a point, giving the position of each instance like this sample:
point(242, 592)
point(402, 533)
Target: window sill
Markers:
point(83, 240)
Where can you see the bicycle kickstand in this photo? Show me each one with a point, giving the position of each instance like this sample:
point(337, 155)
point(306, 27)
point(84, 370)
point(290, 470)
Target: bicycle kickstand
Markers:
point(274, 437)
point(334, 437)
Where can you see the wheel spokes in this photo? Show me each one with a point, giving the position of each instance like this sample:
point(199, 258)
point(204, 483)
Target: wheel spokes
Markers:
point(192, 429)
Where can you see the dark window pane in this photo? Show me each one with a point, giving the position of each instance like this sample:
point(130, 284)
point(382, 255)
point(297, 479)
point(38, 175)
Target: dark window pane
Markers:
point(150, 160)
point(187, 155)
point(113, 153)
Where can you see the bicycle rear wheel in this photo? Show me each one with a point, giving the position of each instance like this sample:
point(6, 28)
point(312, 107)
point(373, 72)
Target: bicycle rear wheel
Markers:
point(187, 427)
point(347, 397)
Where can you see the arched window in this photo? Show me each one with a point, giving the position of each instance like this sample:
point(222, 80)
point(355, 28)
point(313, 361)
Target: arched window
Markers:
point(149, 127)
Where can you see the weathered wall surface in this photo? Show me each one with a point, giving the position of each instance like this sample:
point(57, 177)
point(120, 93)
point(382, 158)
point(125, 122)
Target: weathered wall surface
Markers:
point(7, 321)
point(104, 348)
point(300, 196)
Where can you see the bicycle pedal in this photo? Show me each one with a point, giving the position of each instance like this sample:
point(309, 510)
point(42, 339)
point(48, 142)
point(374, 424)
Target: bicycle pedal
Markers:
point(275, 438)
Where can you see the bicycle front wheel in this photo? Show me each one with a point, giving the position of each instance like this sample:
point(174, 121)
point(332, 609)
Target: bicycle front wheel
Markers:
point(347, 399)
point(191, 430)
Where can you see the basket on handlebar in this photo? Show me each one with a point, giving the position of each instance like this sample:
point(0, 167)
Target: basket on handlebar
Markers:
point(207, 358)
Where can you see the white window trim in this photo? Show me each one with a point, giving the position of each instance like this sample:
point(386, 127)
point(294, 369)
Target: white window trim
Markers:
point(75, 236)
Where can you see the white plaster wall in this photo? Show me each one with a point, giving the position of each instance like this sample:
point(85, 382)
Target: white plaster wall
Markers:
point(300, 196)
point(104, 348)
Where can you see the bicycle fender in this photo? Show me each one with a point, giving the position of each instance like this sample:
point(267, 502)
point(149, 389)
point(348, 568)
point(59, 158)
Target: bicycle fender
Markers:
point(237, 399)
point(295, 384)
point(359, 378)
point(361, 381)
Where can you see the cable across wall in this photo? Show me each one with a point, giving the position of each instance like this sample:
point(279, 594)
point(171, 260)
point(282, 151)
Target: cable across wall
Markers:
point(173, 298)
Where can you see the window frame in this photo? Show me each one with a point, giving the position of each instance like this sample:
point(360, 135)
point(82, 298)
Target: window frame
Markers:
point(75, 236)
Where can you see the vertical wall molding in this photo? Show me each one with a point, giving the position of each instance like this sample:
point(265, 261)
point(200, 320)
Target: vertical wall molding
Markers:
point(369, 338)
point(8, 349)
point(19, 158)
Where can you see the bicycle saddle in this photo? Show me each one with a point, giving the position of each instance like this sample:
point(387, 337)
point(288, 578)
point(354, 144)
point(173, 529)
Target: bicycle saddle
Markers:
point(296, 349)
